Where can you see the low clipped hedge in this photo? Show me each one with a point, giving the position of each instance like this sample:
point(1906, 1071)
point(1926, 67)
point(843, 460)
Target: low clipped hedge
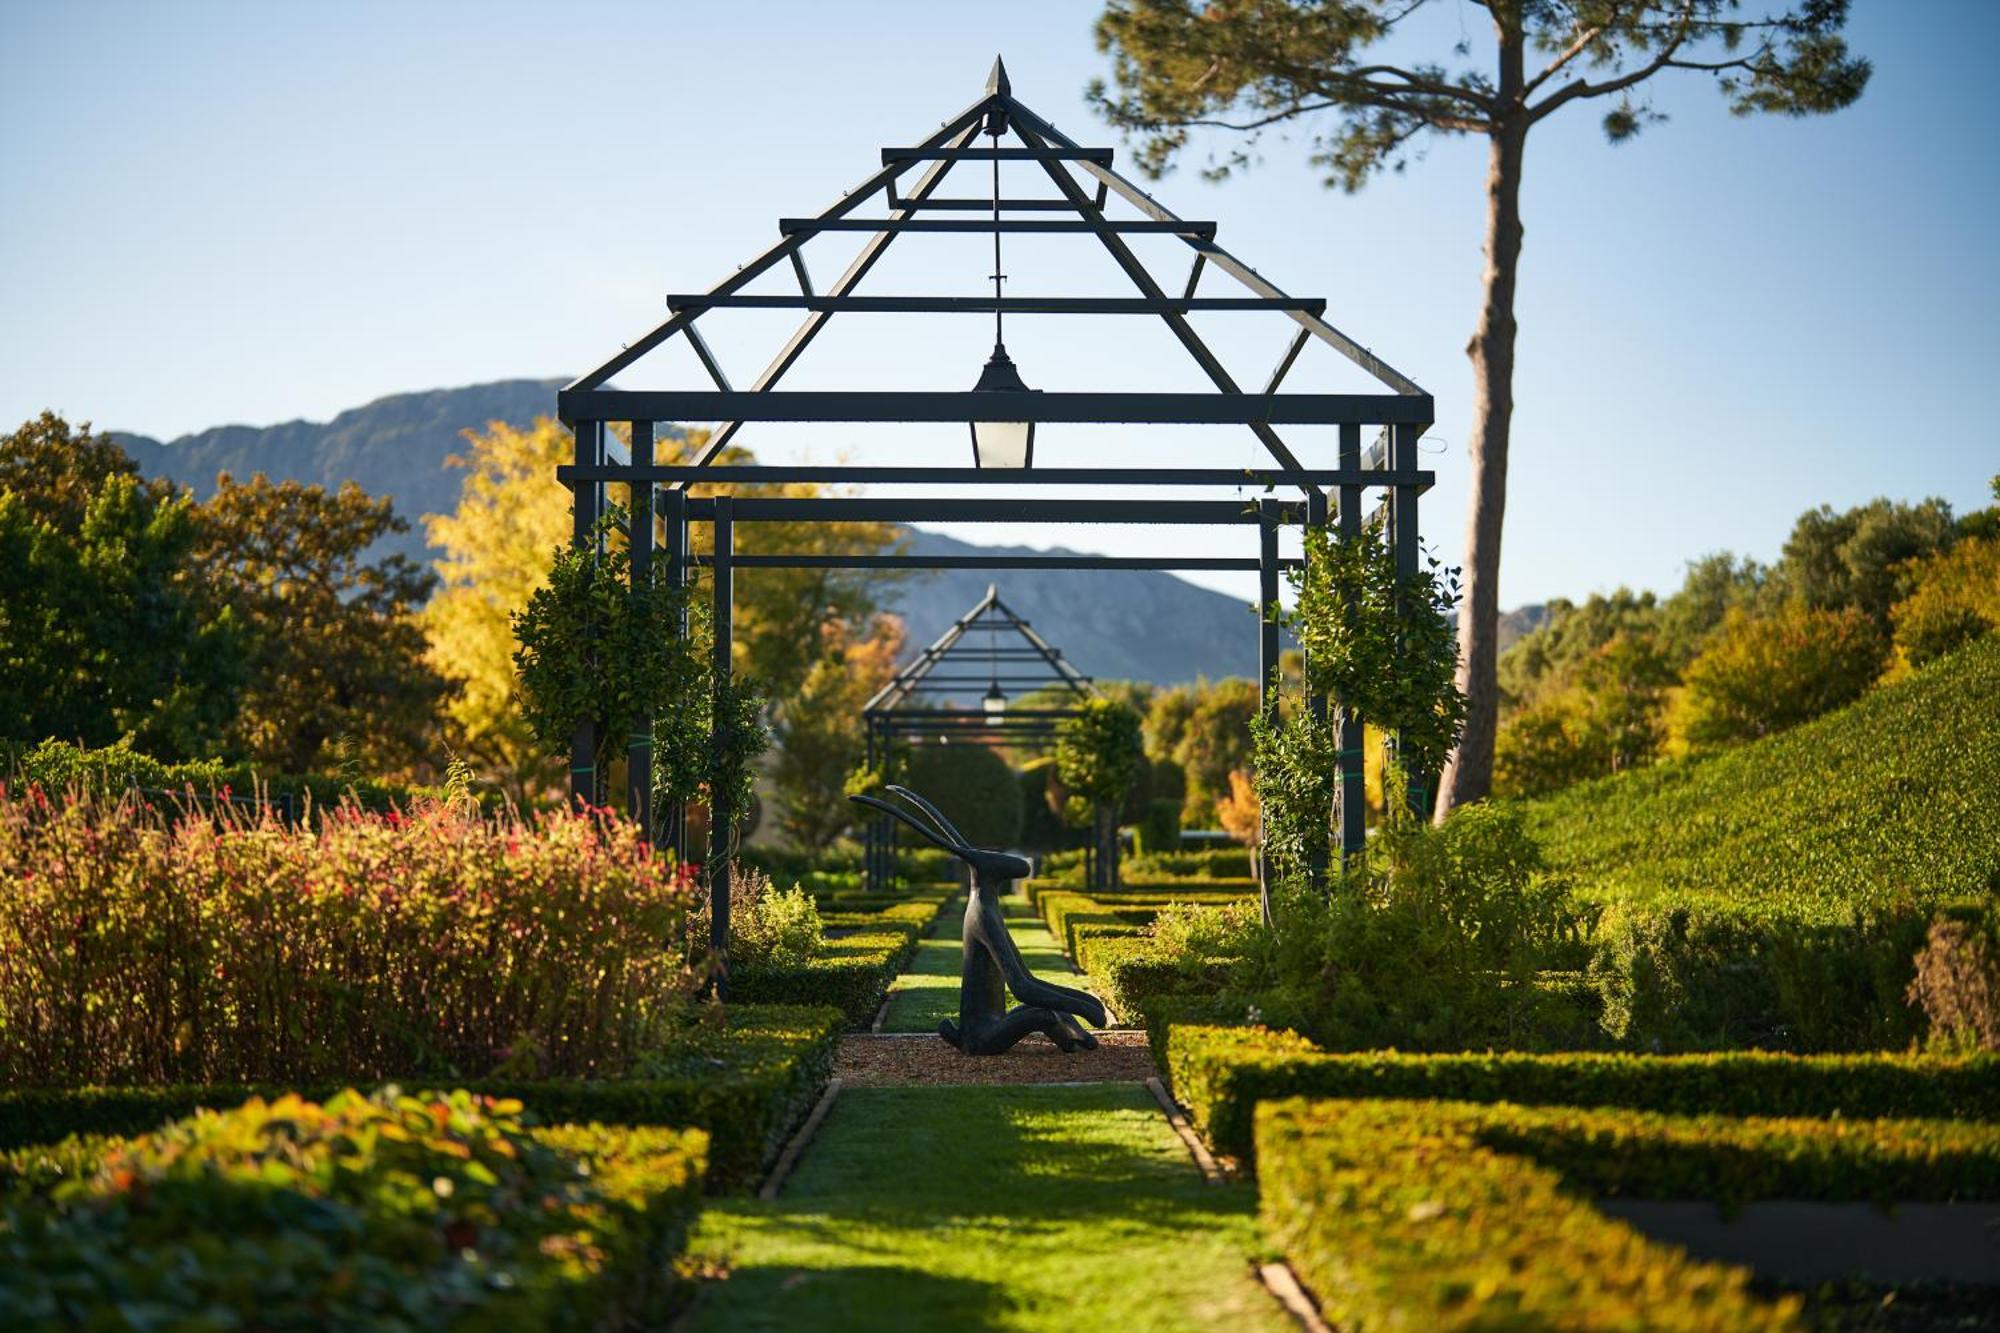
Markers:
point(1134, 981)
point(1447, 1215)
point(746, 1082)
point(852, 973)
point(433, 1211)
point(112, 770)
point(1221, 1073)
point(1072, 914)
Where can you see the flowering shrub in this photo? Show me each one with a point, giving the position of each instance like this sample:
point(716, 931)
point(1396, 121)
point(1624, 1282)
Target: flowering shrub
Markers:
point(139, 945)
point(386, 1211)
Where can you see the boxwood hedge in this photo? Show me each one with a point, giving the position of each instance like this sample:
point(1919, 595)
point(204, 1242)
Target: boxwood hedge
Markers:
point(1221, 1073)
point(428, 1211)
point(747, 1081)
point(1408, 1214)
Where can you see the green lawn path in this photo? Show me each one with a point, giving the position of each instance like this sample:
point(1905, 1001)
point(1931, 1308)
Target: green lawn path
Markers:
point(962, 1208)
point(927, 991)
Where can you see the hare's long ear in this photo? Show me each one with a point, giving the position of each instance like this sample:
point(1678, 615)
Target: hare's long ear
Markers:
point(929, 835)
point(931, 810)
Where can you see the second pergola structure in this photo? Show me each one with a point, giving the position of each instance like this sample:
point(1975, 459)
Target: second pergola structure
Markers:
point(903, 197)
point(994, 647)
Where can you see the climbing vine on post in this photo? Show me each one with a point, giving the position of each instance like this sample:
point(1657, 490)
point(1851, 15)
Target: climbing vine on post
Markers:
point(592, 646)
point(1098, 753)
point(1380, 643)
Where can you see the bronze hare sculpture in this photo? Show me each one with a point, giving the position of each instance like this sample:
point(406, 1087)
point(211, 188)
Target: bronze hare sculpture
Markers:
point(993, 966)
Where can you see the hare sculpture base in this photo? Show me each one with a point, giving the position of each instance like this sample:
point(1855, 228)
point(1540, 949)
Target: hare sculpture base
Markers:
point(992, 964)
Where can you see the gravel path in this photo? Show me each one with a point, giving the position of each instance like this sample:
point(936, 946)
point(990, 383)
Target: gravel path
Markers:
point(886, 1061)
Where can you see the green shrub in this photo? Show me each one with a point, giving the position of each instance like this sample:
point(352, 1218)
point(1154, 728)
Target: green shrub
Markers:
point(434, 1211)
point(747, 1080)
point(1764, 674)
point(1778, 893)
point(1159, 830)
point(1956, 600)
point(1433, 940)
point(974, 787)
point(1221, 1073)
point(1209, 863)
point(852, 974)
point(112, 770)
point(139, 948)
point(1404, 1214)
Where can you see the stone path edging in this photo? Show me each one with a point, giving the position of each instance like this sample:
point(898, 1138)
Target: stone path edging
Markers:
point(789, 1158)
point(1210, 1170)
point(1283, 1283)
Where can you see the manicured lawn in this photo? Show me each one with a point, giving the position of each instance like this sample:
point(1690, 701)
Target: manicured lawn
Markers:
point(927, 991)
point(990, 1208)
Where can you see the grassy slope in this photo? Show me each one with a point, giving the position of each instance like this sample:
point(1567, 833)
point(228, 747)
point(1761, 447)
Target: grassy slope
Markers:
point(1897, 795)
point(1017, 1208)
point(928, 988)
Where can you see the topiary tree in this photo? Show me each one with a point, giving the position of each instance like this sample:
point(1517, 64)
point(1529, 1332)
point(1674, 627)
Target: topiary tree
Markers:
point(1099, 752)
point(972, 784)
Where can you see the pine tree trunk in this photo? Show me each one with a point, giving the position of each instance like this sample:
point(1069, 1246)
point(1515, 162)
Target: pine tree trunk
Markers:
point(1468, 775)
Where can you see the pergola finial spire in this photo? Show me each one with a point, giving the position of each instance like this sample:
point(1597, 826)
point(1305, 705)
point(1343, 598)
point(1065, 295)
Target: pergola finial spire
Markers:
point(996, 82)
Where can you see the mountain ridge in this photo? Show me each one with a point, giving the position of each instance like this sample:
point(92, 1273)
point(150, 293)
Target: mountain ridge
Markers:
point(1112, 624)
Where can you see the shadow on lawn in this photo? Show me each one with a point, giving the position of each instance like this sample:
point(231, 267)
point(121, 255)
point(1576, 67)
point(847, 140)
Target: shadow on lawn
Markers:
point(982, 1208)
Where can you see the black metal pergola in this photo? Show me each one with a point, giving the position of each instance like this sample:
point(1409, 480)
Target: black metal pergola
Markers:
point(992, 646)
point(903, 197)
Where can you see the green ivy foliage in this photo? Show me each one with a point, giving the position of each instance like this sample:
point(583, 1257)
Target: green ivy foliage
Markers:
point(1379, 642)
point(594, 647)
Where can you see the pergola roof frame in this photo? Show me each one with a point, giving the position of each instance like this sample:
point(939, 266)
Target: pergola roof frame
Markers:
point(586, 399)
point(660, 494)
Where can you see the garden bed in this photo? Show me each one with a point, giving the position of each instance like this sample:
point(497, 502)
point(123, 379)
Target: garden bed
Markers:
point(746, 1082)
point(1457, 1215)
point(1221, 1073)
point(385, 1211)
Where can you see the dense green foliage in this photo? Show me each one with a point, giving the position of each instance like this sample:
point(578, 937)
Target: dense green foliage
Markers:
point(1894, 800)
point(112, 770)
point(1453, 1215)
point(1379, 641)
point(1221, 1073)
point(746, 1075)
point(138, 946)
point(1956, 599)
point(1204, 729)
point(972, 784)
point(1100, 751)
point(263, 624)
point(595, 648)
point(430, 1211)
point(851, 973)
point(108, 631)
point(1759, 676)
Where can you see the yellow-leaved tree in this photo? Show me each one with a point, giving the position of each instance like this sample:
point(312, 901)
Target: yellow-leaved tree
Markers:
point(511, 514)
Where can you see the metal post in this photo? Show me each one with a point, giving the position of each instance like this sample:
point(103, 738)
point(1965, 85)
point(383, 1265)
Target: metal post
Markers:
point(1350, 731)
point(670, 820)
point(639, 747)
point(583, 514)
point(1316, 705)
point(1267, 660)
point(871, 876)
point(720, 816)
point(1403, 542)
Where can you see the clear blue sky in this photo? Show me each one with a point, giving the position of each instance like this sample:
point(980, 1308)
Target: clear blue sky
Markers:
point(215, 213)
